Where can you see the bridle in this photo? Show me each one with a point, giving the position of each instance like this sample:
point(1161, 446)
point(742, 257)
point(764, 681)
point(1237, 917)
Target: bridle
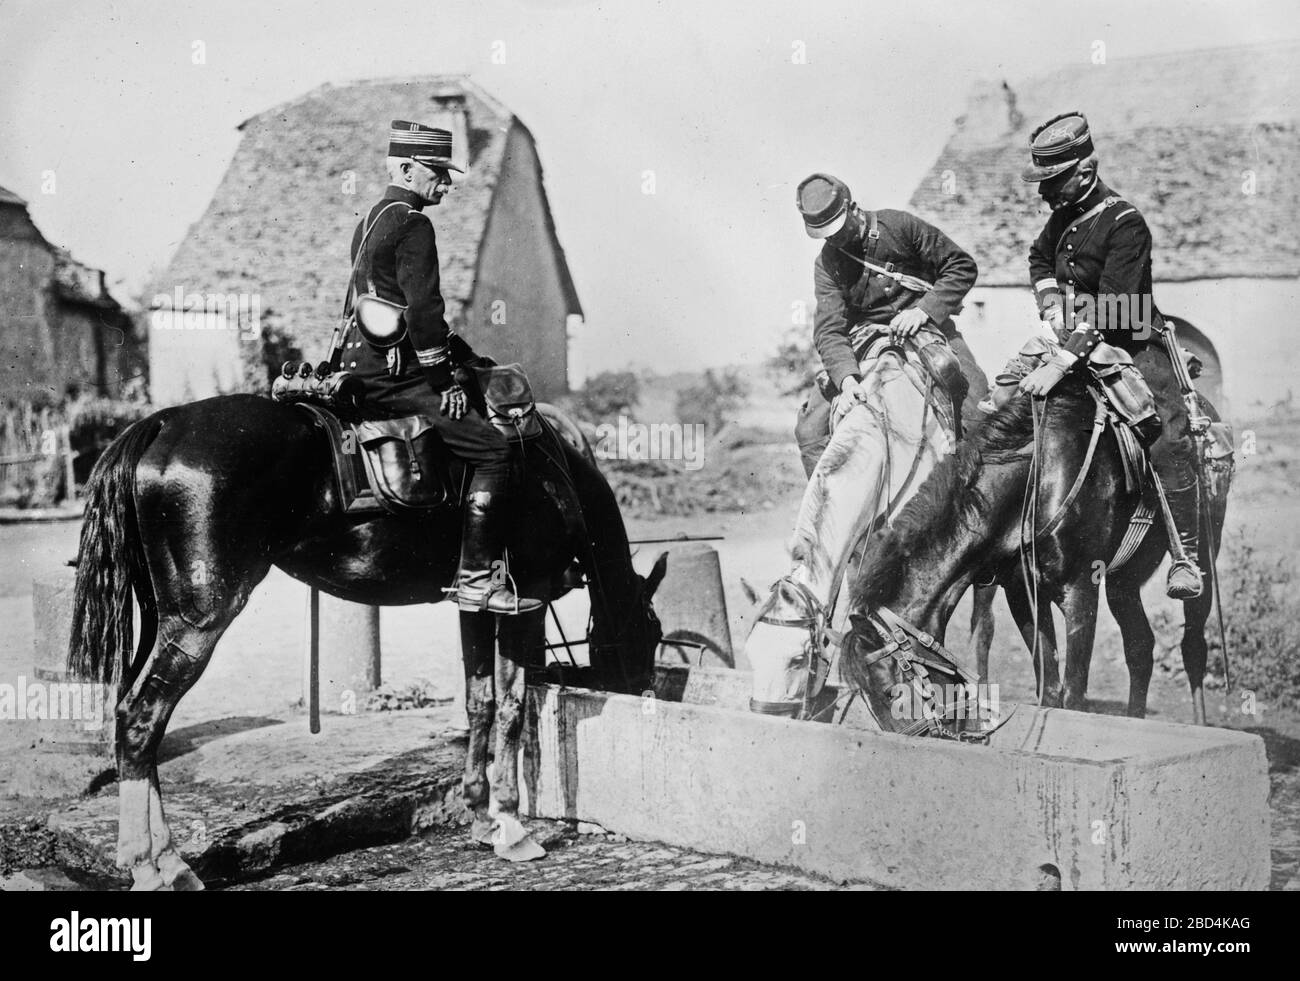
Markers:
point(915, 653)
point(824, 642)
point(819, 647)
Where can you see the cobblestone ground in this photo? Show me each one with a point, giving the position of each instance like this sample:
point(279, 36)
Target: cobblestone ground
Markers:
point(444, 860)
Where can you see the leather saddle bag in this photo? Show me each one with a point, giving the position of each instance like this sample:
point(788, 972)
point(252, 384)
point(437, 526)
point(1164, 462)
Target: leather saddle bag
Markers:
point(509, 400)
point(406, 463)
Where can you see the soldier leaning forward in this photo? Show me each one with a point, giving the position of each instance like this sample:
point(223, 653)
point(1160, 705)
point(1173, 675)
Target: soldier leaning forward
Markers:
point(851, 297)
point(1091, 273)
point(399, 264)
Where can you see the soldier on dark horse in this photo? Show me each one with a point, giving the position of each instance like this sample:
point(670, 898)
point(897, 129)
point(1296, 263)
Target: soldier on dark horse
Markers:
point(395, 256)
point(190, 508)
point(1038, 503)
point(1091, 274)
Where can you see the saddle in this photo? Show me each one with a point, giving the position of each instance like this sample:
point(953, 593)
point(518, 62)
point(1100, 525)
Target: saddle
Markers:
point(400, 466)
point(929, 352)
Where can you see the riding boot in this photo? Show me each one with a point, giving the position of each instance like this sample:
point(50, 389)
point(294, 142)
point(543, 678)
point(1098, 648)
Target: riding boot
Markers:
point(1184, 575)
point(484, 585)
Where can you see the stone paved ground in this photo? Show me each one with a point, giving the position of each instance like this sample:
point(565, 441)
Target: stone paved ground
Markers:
point(443, 860)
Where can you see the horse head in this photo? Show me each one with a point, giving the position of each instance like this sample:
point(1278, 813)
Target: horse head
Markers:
point(629, 630)
point(785, 648)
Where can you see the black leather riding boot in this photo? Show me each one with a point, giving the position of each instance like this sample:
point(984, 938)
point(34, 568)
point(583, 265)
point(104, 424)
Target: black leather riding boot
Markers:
point(1184, 575)
point(483, 585)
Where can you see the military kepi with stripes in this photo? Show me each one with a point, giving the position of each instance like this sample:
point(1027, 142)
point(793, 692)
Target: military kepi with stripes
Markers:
point(424, 144)
point(1058, 145)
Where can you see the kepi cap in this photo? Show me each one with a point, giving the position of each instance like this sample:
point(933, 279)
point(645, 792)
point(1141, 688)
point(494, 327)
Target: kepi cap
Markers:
point(1058, 145)
point(823, 201)
point(424, 144)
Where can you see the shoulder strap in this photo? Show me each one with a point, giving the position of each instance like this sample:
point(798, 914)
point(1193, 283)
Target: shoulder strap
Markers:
point(356, 264)
point(873, 235)
point(1093, 212)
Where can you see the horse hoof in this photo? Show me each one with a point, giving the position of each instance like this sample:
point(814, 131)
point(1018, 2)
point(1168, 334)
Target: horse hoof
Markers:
point(176, 875)
point(146, 878)
point(524, 850)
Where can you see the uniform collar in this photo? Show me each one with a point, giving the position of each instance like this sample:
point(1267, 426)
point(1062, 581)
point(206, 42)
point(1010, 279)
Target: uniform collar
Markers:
point(395, 193)
point(1098, 194)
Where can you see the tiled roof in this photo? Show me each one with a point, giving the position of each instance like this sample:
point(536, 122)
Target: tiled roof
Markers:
point(1182, 136)
point(281, 220)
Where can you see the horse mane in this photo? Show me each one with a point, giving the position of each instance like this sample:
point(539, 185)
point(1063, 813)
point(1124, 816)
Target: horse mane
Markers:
point(950, 498)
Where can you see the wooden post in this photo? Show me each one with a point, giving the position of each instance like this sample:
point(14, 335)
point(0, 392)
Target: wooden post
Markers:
point(313, 660)
point(70, 474)
point(342, 655)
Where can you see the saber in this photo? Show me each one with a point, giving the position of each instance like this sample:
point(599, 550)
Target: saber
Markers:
point(1199, 423)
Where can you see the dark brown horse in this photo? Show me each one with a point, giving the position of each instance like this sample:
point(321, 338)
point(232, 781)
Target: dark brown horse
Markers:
point(967, 525)
point(189, 509)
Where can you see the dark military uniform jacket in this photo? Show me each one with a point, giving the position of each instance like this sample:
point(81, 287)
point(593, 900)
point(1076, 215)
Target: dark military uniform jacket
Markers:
point(849, 294)
point(1097, 252)
point(401, 264)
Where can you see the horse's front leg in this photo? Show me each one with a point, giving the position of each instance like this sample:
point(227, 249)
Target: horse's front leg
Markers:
point(1080, 608)
point(1047, 674)
point(478, 652)
point(981, 627)
point(520, 637)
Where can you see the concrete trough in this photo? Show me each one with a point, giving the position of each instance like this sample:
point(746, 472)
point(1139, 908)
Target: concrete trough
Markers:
point(1089, 801)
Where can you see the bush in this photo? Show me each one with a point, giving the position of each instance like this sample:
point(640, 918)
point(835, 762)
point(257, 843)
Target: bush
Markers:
point(606, 396)
point(714, 401)
point(795, 362)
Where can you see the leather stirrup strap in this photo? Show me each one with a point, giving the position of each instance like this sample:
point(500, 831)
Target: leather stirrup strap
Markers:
point(1098, 424)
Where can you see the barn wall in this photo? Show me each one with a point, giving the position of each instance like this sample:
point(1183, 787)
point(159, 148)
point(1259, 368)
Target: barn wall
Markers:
point(1249, 322)
point(73, 342)
point(1252, 324)
point(26, 270)
point(518, 277)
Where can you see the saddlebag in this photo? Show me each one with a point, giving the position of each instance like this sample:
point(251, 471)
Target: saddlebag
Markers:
point(406, 463)
point(509, 400)
point(1126, 391)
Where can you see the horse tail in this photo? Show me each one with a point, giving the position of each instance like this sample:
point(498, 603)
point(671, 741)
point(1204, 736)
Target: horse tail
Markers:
point(110, 561)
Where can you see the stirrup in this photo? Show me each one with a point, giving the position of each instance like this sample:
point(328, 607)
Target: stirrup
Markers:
point(1180, 590)
point(477, 593)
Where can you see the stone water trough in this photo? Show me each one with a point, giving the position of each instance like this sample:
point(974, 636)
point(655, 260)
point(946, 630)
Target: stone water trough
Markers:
point(1056, 799)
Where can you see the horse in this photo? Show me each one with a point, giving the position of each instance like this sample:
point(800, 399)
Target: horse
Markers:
point(879, 454)
point(971, 523)
point(191, 507)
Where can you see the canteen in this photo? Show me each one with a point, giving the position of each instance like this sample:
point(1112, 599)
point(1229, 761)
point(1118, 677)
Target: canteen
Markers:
point(380, 321)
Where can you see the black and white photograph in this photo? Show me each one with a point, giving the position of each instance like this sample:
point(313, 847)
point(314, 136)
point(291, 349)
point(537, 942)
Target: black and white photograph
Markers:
point(563, 445)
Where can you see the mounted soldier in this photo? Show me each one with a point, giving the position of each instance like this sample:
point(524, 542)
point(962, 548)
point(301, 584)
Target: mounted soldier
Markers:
point(1091, 274)
point(880, 272)
point(395, 277)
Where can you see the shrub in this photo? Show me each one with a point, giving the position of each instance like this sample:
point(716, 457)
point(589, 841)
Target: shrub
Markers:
point(714, 401)
point(606, 396)
point(795, 362)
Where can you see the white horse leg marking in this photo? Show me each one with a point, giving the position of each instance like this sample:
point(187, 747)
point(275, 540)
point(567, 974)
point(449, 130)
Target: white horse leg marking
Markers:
point(173, 870)
point(134, 842)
